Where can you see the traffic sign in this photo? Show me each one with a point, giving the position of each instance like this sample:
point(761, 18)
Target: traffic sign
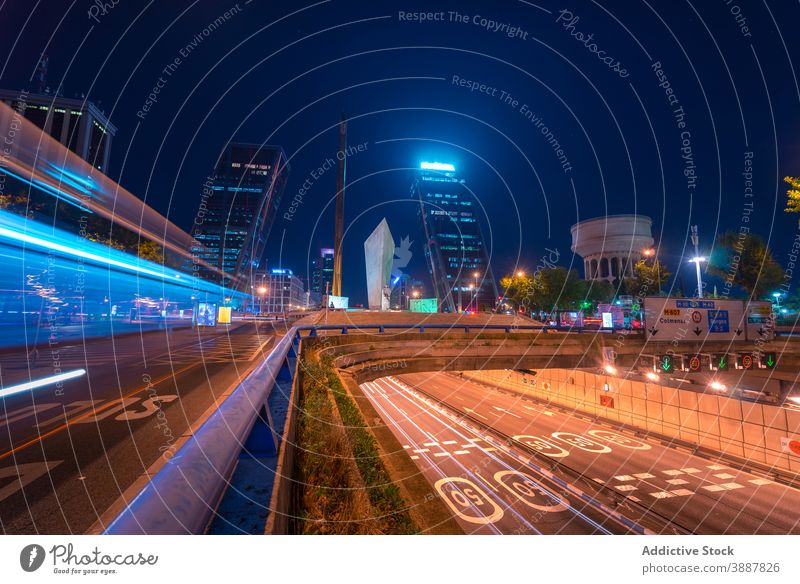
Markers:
point(694, 363)
point(666, 363)
point(769, 360)
point(697, 316)
point(744, 361)
point(719, 362)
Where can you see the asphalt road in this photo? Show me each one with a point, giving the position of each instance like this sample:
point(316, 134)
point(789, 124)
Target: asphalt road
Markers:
point(488, 490)
point(68, 453)
point(699, 495)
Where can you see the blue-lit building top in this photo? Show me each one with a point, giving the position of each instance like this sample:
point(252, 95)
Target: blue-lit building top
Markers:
point(237, 209)
point(455, 250)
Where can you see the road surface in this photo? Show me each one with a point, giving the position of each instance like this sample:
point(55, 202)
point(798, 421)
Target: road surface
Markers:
point(688, 492)
point(68, 453)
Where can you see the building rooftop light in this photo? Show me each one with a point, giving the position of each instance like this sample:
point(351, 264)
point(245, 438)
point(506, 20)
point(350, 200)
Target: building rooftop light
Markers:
point(437, 166)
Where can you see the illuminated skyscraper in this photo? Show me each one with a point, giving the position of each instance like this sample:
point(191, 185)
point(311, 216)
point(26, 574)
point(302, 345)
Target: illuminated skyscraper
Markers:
point(77, 124)
point(237, 210)
point(455, 250)
point(322, 274)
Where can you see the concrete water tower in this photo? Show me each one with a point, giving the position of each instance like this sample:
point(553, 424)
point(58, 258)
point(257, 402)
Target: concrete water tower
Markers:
point(611, 245)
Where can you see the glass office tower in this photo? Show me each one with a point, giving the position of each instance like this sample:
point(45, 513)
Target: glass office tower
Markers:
point(237, 209)
point(455, 251)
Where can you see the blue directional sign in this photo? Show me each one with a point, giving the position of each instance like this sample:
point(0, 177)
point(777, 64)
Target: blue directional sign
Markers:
point(694, 303)
point(718, 321)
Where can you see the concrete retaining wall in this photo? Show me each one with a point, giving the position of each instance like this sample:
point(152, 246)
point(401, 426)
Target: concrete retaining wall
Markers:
point(740, 429)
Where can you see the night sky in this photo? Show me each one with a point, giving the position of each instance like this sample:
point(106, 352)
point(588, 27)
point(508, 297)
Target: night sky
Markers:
point(280, 73)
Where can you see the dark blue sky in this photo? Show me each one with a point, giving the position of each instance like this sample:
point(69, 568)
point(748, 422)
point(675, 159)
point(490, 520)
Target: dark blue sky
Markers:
point(260, 79)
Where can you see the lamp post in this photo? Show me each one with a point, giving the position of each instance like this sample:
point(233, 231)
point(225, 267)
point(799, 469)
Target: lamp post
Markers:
point(471, 288)
point(262, 291)
point(697, 259)
point(476, 275)
point(777, 296)
point(415, 295)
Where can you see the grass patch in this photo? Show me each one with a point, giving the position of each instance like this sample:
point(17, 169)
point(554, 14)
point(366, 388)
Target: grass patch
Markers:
point(330, 452)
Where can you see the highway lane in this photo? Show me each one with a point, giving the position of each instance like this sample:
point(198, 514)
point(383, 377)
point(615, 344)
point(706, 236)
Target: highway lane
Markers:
point(68, 453)
point(701, 495)
point(487, 490)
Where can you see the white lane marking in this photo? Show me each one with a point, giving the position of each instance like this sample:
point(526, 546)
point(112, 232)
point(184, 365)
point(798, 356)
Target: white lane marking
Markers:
point(624, 488)
point(460, 498)
point(419, 450)
point(449, 442)
point(499, 409)
point(492, 449)
point(597, 480)
point(713, 488)
point(624, 478)
point(682, 492)
point(672, 473)
point(619, 439)
point(717, 467)
point(525, 488)
point(634, 499)
point(724, 475)
point(406, 446)
point(545, 412)
point(760, 482)
point(24, 474)
point(539, 444)
point(469, 446)
point(414, 457)
point(582, 442)
point(644, 475)
point(732, 486)
point(442, 454)
point(662, 495)
point(461, 452)
point(474, 439)
point(690, 470)
point(471, 411)
point(430, 444)
point(677, 482)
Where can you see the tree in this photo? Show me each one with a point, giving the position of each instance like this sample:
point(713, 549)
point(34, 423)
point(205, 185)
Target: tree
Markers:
point(647, 278)
point(149, 250)
point(743, 259)
point(793, 194)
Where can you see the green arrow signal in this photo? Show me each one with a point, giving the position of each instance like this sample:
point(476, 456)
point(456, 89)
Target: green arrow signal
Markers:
point(770, 360)
point(722, 363)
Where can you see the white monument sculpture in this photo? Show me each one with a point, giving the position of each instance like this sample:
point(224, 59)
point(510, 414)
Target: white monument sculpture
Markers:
point(379, 253)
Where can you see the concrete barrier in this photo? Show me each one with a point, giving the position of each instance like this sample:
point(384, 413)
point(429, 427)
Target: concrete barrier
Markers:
point(749, 432)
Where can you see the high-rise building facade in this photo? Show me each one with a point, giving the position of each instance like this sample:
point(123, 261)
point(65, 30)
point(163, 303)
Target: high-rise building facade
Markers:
point(322, 274)
point(77, 124)
point(455, 251)
point(279, 290)
point(237, 210)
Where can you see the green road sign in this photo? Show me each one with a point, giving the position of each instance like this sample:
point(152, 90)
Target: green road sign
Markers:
point(769, 360)
point(721, 362)
point(666, 364)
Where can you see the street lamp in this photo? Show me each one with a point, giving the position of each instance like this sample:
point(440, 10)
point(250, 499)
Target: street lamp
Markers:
point(262, 290)
point(651, 253)
point(477, 275)
point(777, 296)
point(520, 274)
point(697, 259)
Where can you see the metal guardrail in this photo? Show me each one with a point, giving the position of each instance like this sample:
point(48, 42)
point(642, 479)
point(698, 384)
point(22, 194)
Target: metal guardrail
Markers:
point(182, 497)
